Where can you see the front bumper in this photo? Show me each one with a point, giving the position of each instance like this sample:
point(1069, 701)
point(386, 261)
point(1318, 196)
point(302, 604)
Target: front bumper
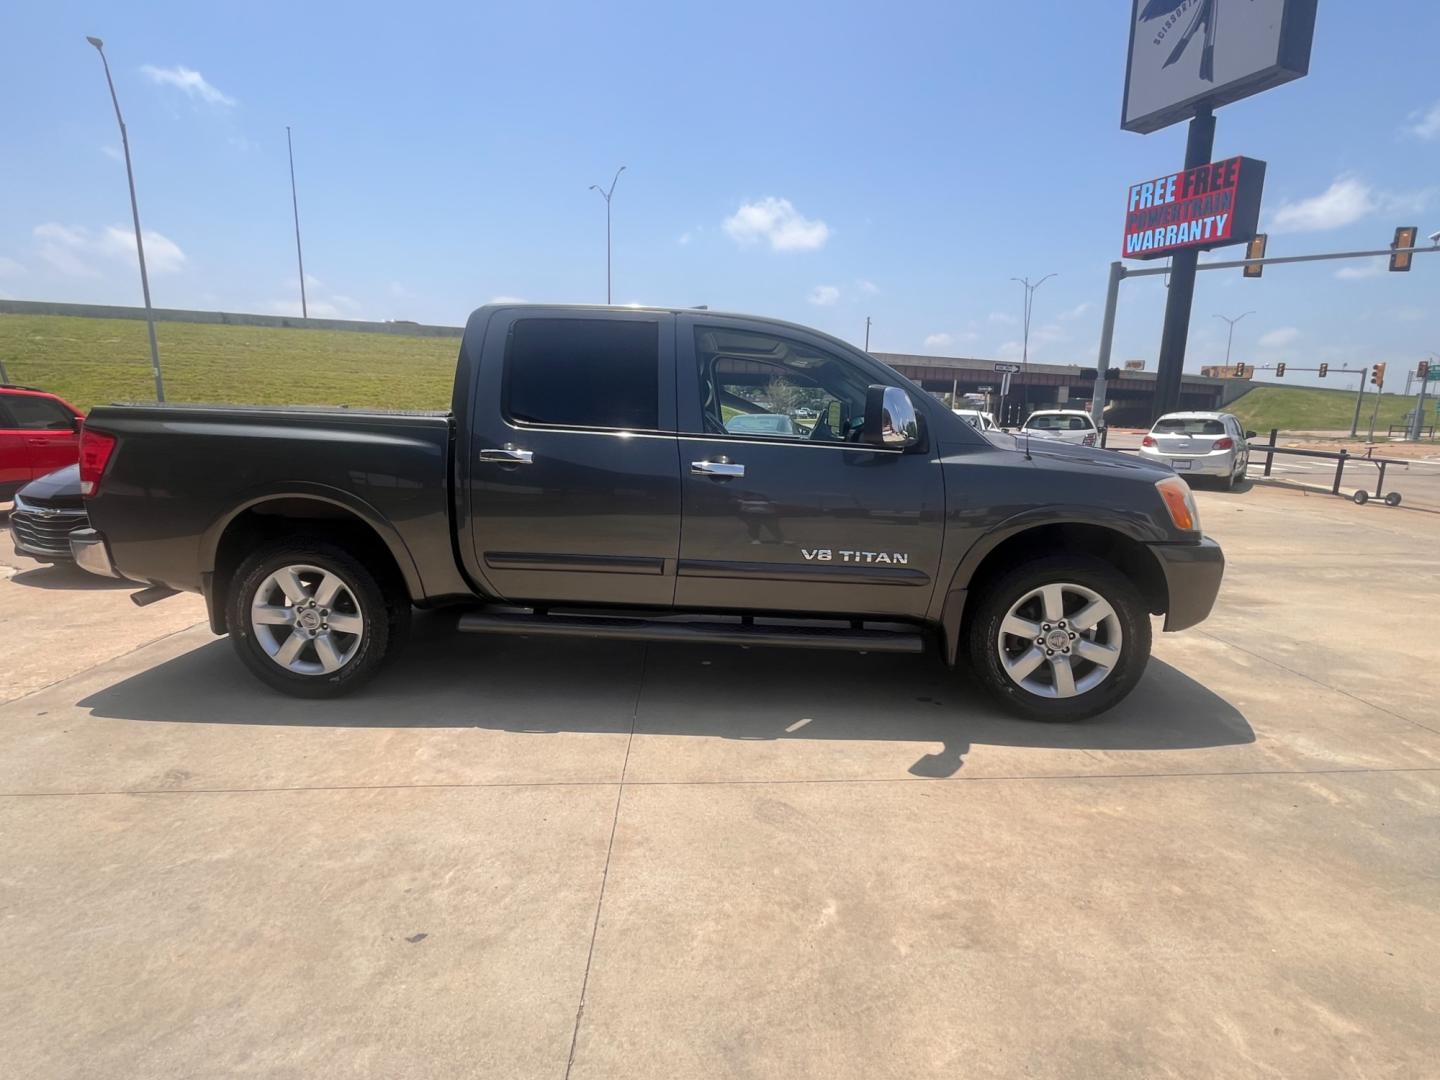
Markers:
point(1192, 580)
point(91, 553)
point(43, 532)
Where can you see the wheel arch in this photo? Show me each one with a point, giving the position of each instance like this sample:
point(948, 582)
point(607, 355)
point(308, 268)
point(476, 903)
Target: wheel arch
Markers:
point(1022, 542)
point(337, 516)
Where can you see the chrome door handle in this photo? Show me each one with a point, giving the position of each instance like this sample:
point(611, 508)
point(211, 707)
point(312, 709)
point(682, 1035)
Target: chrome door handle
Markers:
point(508, 456)
point(716, 468)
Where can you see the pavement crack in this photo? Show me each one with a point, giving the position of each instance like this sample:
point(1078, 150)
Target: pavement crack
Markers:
point(1319, 682)
point(605, 873)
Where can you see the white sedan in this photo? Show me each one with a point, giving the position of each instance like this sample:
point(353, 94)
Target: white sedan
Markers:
point(980, 421)
point(1200, 444)
point(1064, 425)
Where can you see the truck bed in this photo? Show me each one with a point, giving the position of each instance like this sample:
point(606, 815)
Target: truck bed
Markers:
point(181, 473)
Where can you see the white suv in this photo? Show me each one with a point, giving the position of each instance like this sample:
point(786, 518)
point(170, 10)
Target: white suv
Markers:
point(1065, 425)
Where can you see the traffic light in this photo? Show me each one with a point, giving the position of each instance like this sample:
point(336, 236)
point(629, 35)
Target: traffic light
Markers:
point(1280, 370)
point(1377, 375)
point(1240, 371)
point(1255, 249)
point(1323, 369)
point(1422, 370)
point(1404, 238)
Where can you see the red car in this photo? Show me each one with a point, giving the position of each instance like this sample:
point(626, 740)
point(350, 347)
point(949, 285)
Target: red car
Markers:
point(39, 433)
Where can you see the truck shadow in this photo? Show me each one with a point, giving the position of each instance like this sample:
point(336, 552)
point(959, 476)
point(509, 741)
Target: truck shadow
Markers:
point(448, 680)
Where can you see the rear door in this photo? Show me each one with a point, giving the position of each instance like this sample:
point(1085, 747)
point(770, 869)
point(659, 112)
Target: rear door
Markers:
point(14, 457)
point(786, 512)
point(574, 475)
point(43, 431)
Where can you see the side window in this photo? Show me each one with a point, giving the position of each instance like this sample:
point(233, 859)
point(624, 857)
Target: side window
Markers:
point(37, 414)
point(590, 373)
point(764, 386)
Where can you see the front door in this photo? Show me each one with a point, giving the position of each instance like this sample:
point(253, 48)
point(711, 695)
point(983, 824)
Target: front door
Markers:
point(785, 510)
point(575, 486)
point(40, 436)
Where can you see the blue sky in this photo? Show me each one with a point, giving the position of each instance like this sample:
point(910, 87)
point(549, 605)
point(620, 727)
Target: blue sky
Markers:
point(818, 162)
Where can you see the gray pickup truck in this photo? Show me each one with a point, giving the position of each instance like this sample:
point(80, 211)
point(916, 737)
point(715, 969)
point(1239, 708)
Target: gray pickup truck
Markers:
point(653, 474)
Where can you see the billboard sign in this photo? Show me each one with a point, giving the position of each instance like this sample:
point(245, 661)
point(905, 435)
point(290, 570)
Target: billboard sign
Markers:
point(1189, 54)
point(1194, 210)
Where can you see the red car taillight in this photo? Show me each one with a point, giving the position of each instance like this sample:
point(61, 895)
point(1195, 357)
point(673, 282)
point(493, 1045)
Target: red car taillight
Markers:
point(1148, 440)
point(95, 450)
point(1226, 443)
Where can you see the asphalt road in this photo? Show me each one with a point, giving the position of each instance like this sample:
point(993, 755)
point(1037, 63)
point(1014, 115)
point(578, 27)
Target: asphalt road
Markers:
point(569, 860)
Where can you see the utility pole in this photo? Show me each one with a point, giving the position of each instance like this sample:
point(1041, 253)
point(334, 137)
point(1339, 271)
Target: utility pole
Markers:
point(867, 333)
point(606, 195)
point(1417, 425)
point(295, 205)
point(1025, 339)
point(1230, 337)
point(134, 213)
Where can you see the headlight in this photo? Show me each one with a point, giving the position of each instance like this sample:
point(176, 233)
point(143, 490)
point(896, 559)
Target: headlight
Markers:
point(1179, 501)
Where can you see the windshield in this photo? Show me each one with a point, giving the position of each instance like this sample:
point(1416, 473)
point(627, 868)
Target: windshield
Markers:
point(1053, 422)
point(760, 424)
point(1177, 425)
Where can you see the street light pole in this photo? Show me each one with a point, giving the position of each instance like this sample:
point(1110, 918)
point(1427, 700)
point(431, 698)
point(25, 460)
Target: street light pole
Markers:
point(135, 213)
point(1025, 337)
point(1231, 335)
point(867, 333)
point(606, 196)
point(295, 205)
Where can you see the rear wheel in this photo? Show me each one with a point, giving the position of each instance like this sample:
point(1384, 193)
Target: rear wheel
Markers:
point(1060, 639)
point(309, 619)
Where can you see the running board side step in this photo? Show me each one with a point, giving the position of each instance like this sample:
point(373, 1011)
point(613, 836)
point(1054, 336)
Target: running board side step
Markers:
point(703, 633)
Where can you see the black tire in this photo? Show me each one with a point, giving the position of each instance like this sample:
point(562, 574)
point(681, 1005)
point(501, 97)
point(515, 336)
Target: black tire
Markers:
point(379, 610)
point(993, 603)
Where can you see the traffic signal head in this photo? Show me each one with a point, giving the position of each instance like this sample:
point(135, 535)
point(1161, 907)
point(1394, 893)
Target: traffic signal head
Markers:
point(1323, 369)
point(1240, 371)
point(1422, 370)
point(1377, 375)
point(1255, 249)
point(1404, 238)
point(1280, 370)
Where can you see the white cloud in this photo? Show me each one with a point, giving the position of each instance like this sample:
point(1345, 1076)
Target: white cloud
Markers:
point(1426, 122)
point(66, 249)
point(867, 287)
point(113, 153)
point(1075, 312)
point(1368, 269)
point(1344, 202)
point(1004, 318)
point(162, 255)
point(939, 341)
point(1279, 337)
point(192, 83)
point(778, 222)
point(10, 268)
point(508, 300)
point(824, 295)
point(683, 239)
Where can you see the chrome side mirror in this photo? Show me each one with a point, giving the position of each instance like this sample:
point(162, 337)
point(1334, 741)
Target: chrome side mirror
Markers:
point(889, 418)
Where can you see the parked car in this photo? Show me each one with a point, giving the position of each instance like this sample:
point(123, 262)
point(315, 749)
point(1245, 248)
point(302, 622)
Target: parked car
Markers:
point(45, 513)
point(39, 433)
point(1063, 425)
point(585, 483)
point(1212, 444)
point(761, 424)
point(980, 421)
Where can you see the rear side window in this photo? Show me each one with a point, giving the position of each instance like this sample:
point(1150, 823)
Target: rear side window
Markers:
point(592, 373)
point(36, 413)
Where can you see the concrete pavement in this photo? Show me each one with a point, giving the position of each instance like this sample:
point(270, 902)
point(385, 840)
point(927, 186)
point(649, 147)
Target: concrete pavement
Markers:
point(547, 859)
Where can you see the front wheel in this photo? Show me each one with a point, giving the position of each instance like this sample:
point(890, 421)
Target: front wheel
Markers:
point(308, 618)
point(1060, 639)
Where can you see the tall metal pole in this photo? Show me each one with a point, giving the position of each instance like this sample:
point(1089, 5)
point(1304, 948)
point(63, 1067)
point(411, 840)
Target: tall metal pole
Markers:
point(604, 194)
point(1359, 400)
point(1231, 336)
point(135, 213)
point(1107, 341)
point(1025, 338)
point(1199, 144)
point(867, 333)
point(1417, 426)
point(295, 205)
